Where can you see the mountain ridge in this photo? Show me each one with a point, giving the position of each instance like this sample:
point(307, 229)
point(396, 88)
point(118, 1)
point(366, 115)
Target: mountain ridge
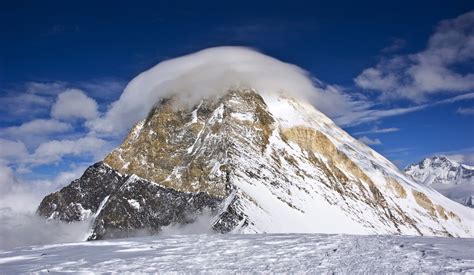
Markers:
point(274, 164)
point(451, 178)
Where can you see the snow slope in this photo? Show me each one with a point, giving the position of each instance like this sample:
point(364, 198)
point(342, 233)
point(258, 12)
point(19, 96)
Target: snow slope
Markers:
point(275, 164)
point(279, 253)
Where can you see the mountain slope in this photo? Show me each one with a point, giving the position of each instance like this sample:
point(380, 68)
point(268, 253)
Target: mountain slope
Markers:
point(272, 164)
point(452, 179)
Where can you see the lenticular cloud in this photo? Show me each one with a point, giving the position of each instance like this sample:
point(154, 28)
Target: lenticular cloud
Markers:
point(206, 73)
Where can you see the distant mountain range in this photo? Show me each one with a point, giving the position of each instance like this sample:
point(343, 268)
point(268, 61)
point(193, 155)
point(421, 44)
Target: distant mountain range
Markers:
point(452, 179)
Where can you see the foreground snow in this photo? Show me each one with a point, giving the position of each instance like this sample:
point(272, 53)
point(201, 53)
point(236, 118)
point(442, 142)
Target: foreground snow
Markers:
point(248, 253)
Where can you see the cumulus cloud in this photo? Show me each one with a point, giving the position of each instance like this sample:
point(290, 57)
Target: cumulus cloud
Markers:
point(417, 76)
point(12, 150)
point(369, 141)
point(36, 131)
point(55, 150)
point(73, 104)
point(37, 127)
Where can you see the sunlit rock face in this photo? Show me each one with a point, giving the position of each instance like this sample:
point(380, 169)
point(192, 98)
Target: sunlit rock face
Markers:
point(259, 164)
point(189, 150)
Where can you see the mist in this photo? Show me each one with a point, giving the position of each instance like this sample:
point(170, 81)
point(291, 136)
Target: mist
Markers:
point(201, 224)
point(20, 226)
point(19, 229)
point(209, 73)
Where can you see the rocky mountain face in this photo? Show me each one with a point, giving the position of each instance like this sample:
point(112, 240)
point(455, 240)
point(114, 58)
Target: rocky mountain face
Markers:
point(258, 164)
point(122, 204)
point(453, 179)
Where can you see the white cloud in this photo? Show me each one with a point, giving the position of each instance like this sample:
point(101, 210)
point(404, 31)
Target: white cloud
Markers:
point(356, 117)
point(369, 112)
point(207, 73)
point(24, 105)
point(12, 150)
point(376, 130)
point(417, 76)
point(45, 88)
point(30, 100)
point(54, 150)
point(26, 229)
point(7, 179)
point(25, 195)
point(213, 71)
point(20, 226)
point(16, 194)
point(37, 127)
point(74, 103)
point(464, 158)
point(369, 141)
point(465, 111)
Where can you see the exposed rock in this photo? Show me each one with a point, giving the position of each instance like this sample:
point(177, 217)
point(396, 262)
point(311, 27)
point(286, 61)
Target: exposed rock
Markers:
point(423, 200)
point(85, 193)
point(397, 188)
point(121, 205)
point(260, 165)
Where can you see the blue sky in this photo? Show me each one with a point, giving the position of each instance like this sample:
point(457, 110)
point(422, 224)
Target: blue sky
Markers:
point(411, 78)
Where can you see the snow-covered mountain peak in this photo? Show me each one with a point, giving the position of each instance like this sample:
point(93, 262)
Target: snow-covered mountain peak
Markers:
point(450, 178)
point(441, 170)
point(261, 163)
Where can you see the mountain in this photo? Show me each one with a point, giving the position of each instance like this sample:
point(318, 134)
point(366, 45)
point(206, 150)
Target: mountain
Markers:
point(251, 163)
point(452, 179)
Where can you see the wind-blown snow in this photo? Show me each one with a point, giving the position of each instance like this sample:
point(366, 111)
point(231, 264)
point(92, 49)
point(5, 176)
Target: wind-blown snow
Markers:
point(279, 253)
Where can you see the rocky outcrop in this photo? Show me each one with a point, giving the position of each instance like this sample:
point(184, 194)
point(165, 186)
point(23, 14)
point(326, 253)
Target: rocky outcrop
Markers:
point(122, 205)
point(80, 199)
